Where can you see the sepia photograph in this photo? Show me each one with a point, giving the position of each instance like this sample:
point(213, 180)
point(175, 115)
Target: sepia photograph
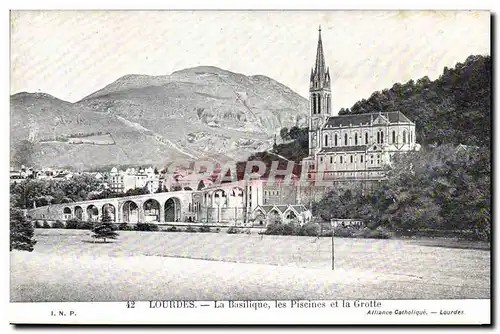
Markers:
point(251, 160)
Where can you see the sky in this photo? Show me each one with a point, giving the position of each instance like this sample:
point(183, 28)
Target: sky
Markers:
point(71, 54)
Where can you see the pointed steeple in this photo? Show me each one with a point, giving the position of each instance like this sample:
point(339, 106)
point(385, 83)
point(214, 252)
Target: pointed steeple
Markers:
point(320, 58)
point(320, 76)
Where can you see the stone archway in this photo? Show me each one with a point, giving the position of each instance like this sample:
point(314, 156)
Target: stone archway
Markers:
point(152, 211)
point(67, 214)
point(290, 216)
point(78, 212)
point(130, 212)
point(274, 216)
point(111, 210)
point(172, 210)
point(92, 212)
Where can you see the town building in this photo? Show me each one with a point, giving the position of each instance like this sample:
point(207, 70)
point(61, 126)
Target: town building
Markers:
point(350, 147)
point(122, 181)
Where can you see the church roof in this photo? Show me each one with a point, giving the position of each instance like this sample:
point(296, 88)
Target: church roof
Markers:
point(343, 149)
point(363, 119)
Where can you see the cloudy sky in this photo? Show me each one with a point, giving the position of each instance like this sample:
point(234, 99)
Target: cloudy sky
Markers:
point(70, 54)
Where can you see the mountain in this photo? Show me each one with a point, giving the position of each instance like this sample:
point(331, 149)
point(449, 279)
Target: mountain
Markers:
point(198, 113)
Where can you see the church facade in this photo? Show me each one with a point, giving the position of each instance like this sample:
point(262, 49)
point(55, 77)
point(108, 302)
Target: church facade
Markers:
point(350, 147)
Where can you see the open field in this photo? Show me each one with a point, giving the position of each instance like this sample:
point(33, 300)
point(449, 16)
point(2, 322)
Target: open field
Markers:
point(145, 265)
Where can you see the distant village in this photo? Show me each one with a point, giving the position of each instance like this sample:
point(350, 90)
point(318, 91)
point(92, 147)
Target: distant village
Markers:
point(118, 180)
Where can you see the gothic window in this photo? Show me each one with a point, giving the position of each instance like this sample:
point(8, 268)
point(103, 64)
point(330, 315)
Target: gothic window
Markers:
point(326, 140)
point(381, 137)
point(404, 137)
point(341, 160)
point(366, 138)
point(345, 139)
point(331, 160)
point(393, 137)
point(361, 158)
point(351, 159)
point(335, 139)
point(314, 103)
point(319, 104)
point(355, 139)
point(378, 137)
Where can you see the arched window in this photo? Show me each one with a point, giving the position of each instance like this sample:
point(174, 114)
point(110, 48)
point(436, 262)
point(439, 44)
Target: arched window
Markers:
point(393, 137)
point(378, 137)
point(331, 160)
point(351, 159)
point(366, 138)
point(345, 139)
point(361, 158)
point(314, 103)
point(319, 104)
point(404, 137)
point(341, 160)
point(355, 139)
point(381, 137)
point(326, 140)
point(335, 139)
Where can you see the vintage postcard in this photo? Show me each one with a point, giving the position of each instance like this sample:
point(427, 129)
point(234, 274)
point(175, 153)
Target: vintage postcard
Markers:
point(250, 167)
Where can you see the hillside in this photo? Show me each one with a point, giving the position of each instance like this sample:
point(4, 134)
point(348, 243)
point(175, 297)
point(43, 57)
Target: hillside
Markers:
point(196, 113)
point(453, 109)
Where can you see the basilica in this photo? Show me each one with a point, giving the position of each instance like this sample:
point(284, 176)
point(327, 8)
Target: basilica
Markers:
point(350, 147)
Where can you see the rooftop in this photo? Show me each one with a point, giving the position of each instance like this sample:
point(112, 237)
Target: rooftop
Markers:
point(363, 119)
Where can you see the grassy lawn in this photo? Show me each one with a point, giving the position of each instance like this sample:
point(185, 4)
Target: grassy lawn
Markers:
point(409, 269)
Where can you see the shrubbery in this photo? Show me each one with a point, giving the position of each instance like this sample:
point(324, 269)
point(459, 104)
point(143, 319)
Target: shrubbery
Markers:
point(45, 224)
point(310, 230)
point(150, 227)
point(124, 227)
point(378, 233)
point(190, 229)
point(205, 229)
point(278, 228)
point(172, 229)
point(58, 224)
point(77, 224)
point(232, 230)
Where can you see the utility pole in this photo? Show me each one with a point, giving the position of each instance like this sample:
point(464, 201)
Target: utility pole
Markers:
point(333, 244)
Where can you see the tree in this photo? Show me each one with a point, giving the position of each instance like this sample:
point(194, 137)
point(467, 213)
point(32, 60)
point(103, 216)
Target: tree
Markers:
point(284, 134)
point(21, 231)
point(104, 230)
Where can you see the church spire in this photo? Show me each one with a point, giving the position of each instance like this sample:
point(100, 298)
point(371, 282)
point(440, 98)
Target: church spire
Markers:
point(320, 76)
point(320, 58)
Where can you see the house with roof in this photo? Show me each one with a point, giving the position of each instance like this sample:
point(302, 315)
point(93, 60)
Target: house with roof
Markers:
point(264, 214)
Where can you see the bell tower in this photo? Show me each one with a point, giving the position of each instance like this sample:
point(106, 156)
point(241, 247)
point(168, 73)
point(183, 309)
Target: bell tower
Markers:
point(319, 98)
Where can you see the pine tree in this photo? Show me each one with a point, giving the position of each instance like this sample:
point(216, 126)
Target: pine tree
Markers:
point(104, 230)
point(21, 231)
